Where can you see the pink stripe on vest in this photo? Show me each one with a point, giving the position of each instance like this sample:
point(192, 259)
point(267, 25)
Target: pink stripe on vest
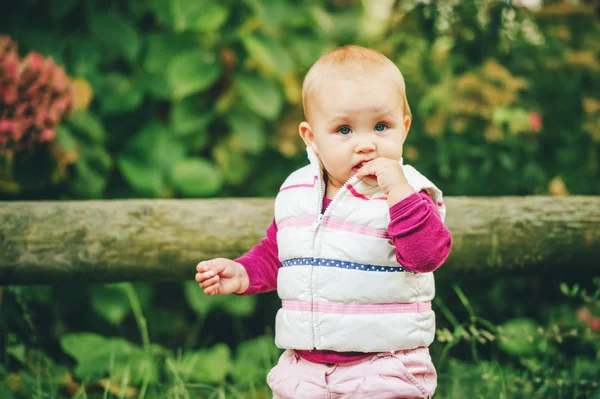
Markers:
point(302, 221)
point(335, 224)
point(338, 224)
point(310, 185)
point(356, 193)
point(356, 308)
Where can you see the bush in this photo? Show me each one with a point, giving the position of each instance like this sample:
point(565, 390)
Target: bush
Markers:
point(196, 99)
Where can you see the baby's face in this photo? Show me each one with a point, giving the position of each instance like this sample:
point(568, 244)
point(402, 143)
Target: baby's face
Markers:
point(353, 122)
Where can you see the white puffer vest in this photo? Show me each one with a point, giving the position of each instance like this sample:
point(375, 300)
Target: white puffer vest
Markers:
point(341, 286)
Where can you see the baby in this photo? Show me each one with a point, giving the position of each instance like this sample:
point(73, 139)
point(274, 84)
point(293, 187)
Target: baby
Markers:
point(353, 245)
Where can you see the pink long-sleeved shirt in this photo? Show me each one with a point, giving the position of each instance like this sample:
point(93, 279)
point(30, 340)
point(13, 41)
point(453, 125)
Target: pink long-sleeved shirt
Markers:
point(422, 244)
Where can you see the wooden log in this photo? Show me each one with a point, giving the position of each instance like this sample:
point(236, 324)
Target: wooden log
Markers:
point(151, 240)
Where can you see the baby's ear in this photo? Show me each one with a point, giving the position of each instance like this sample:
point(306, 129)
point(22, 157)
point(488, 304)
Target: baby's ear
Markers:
point(308, 136)
point(407, 121)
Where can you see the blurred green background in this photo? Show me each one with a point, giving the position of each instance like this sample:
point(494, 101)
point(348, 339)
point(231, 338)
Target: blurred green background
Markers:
point(201, 98)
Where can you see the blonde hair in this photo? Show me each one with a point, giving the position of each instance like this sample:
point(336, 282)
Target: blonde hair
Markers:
point(351, 62)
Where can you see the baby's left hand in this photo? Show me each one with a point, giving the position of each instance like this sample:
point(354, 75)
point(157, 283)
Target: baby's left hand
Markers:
point(390, 178)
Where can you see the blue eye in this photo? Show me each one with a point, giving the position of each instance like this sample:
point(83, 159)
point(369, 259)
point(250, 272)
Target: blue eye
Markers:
point(380, 127)
point(344, 130)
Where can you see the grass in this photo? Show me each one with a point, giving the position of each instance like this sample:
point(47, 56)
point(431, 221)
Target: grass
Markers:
point(475, 358)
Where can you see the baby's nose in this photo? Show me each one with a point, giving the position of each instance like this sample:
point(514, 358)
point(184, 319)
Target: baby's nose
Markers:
point(365, 145)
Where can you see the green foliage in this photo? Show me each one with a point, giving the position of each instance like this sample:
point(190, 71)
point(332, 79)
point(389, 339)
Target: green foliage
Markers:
point(554, 354)
point(255, 359)
point(97, 356)
point(217, 85)
point(207, 366)
point(237, 306)
point(537, 351)
point(518, 337)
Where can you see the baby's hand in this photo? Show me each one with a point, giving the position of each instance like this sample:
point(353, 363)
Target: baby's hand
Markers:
point(222, 276)
point(390, 178)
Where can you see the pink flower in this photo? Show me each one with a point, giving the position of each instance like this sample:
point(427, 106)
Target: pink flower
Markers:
point(11, 65)
point(26, 123)
point(9, 96)
point(34, 61)
point(584, 315)
point(61, 83)
point(34, 93)
point(47, 134)
point(535, 120)
point(595, 324)
point(6, 125)
point(61, 104)
point(4, 42)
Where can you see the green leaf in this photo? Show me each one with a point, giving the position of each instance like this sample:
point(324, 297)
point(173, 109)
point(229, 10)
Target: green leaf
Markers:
point(96, 158)
point(98, 356)
point(143, 177)
point(18, 352)
point(65, 139)
point(139, 9)
point(116, 33)
point(248, 131)
point(192, 72)
point(156, 144)
point(86, 57)
point(196, 177)
point(205, 366)
point(232, 162)
point(212, 18)
point(203, 304)
point(262, 96)
point(196, 15)
point(162, 48)
point(148, 158)
point(187, 118)
point(271, 13)
point(109, 303)
point(88, 126)
point(518, 337)
point(91, 173)
point(506, 160)
point(183, 12)
point(156, 85)
point(268, 54)
point(82, 346)
point(306, 49)
point(120, 94)
point(217, 363)
point(163, 11)
point(254, 358)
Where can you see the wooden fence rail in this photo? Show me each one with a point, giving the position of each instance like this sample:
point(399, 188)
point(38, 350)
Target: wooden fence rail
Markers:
point(129, 240)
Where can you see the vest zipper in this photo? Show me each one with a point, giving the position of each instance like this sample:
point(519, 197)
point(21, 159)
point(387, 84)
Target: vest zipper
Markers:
point(314, 160)
point(315, 226)
point(320, 214)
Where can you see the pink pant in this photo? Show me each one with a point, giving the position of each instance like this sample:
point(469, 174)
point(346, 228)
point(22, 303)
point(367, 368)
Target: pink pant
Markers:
point(401, 374)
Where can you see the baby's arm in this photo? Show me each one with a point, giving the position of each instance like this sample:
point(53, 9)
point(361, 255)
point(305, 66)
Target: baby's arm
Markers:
point(262, 263)
point(258, 269)
point(421, 239)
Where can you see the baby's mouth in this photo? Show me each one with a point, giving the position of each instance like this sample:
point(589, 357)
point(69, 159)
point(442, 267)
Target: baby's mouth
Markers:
point(359, 165)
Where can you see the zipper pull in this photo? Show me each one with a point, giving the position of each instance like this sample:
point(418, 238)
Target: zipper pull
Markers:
point(317, 222)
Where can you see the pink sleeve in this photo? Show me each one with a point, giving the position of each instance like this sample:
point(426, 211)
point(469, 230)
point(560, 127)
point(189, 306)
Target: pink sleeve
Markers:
point(261, 263)
point(421, 239)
